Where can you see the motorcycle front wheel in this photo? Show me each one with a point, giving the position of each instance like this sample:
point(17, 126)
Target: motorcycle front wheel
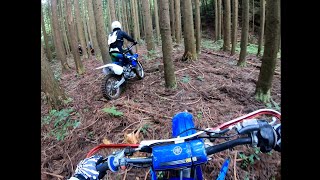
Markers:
point(107, 87)
point(139, 70)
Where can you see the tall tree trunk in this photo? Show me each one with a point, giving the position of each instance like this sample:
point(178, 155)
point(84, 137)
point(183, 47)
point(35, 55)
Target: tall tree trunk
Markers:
point(204, 7)
point(252, 17)
point(92, 24)
point(134, 22)
point(169, 75)
point(80, 28)
point(134, 17)
point(65, 21)
point(244, 33)
point(156, 19)
point(109, 20)
point(136, 4)
point(45, 37)
point(57, 37)
point(65, 25)
point(88, 28)
point(279, 47)
point(74, 39)
point(178, 21)
point(219, 19)
point(63, 28)
point(216, 20)
point(268, 65)
point(198, 26)
point(188, 32)
point(141, 19)
point(262, 23)
point(86, 33)
point(105, 13)
point(101, 31)
point(148, 24)
point(119, 11)
point(227, 25)
point(125, 19)
point(172, 20)
point(49, 22)
point(234, 27)
point(112, 10)
point(55, 95)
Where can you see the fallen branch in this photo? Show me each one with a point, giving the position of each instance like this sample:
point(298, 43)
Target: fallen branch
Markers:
point(55, 175)
point(257, 66)
point(154, 82)
point(88, 126)
point(198, 70)
point(148, 112)
point(226, 56)
point(192, 102)
point(217, 54)
point(70, 161)
point(125, 175)
point(203, 112)
point(193, 87)
point(177, 93)
point(146, 176)
point(182, 69)
point(165, 97)
point(130, 125)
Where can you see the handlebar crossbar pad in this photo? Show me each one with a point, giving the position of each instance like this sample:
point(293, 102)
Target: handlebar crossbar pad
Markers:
point(179, 155)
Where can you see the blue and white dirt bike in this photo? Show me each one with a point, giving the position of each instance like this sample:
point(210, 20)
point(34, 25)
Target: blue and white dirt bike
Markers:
point(191, 147)
point(117, 73)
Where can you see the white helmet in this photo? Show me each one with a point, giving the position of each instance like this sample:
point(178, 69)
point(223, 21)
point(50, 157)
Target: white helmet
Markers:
point(115, 24)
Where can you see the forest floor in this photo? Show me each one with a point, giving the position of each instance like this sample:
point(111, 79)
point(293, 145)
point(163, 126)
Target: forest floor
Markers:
point(212, 88)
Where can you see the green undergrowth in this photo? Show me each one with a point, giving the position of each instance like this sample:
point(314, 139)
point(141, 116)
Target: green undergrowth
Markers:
point(60, 122)
point(217, 46)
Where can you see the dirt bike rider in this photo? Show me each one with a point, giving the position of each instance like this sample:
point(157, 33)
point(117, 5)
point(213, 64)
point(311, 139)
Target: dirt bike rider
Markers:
point(86, 169)
point(115, 42)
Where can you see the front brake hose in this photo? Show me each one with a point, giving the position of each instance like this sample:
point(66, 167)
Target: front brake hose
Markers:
point(102, 146)
point(247, 116)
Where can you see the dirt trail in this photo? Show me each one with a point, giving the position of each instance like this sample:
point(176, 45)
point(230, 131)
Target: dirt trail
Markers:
point(213, 89)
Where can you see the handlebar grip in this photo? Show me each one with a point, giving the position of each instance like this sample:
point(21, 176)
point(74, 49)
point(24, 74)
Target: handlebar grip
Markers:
point(102, 167)
point(227, 145)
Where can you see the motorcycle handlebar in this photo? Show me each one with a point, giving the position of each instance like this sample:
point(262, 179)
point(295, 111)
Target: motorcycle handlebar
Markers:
point(102, 167)
point(105, 165)
point(129, 48)
point(229, 144)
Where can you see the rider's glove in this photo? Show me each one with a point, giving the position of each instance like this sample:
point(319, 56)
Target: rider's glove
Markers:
point(135, 42)
point(86, 169)
point(277, 128)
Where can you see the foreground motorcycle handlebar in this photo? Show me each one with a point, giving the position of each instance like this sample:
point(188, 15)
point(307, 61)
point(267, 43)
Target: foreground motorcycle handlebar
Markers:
point(264, 137)
point(227, 145)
